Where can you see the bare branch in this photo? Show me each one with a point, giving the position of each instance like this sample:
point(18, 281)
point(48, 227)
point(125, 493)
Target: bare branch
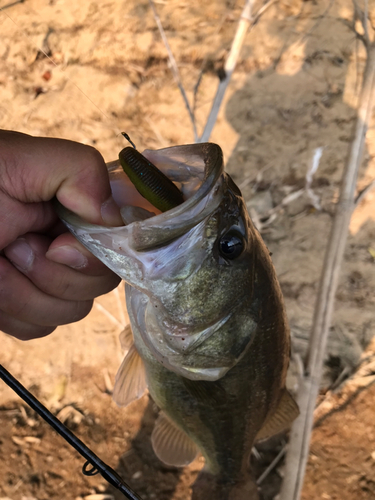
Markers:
point(362, 17)
point(272, 465)
point(247, 21)
point(261, 11)
point(120, 303)
point(301, 431)
point(196, 88)
point(364, 22)
point(174, 68)
point(109, 315)
point(317, 23)
point(7, 6)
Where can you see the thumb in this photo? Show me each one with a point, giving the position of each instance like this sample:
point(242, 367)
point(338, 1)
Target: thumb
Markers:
point(35, 169)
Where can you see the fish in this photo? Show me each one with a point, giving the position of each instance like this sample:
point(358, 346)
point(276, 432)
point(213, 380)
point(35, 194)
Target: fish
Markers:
point(209, 336)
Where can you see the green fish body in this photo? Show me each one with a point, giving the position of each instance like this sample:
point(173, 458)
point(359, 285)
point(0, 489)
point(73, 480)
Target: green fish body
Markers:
point(210, 336)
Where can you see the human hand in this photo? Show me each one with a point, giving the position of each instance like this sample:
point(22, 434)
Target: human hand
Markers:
point(47, 278)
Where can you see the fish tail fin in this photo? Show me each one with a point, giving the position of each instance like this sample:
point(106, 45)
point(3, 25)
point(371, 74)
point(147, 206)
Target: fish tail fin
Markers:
point(209, 486)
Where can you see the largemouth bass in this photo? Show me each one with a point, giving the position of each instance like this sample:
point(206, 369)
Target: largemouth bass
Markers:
point(210, 336)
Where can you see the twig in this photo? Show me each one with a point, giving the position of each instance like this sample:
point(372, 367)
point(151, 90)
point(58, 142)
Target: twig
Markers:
point(297, 194)
point(45, 49)
point(174, 68)
point(364, 22)
point(12, 4)
point(309, 178)
point(120, 304)
point(362, 17)
point(196, 87)
point(108, 314)
point(272, 465)
point(247, 21)
point(302, 36)
point(346, 403)
point(309, 387)
point(364, 192)
point(316, 24)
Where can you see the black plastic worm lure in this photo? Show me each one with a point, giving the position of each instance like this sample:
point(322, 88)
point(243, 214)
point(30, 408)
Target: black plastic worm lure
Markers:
point(149, 181)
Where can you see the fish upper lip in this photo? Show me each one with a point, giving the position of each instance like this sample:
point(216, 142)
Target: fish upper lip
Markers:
point(162, 228)
point(175, 222)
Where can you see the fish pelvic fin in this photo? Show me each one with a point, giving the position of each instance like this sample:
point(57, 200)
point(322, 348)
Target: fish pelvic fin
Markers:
point(130, 381)
point(281, 419)
point(171, 445)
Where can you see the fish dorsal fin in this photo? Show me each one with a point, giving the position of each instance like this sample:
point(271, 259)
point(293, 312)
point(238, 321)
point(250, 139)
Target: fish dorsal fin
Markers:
point(130, 381)
point(171, 445)
point(126, 338)
point(286, 411)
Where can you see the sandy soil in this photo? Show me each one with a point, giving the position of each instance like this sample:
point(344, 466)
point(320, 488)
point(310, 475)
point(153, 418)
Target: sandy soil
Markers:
point(295, 90)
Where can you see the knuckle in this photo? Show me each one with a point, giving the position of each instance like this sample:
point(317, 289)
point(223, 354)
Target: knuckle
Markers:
point(60, 288)
point(16, 186)
point(93, 159)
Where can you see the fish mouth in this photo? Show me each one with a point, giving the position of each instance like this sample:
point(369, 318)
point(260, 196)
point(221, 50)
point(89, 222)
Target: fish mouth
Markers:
point(195, 168)
point(157, 255)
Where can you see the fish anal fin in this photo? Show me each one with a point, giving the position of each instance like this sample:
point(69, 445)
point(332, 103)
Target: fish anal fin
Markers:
point(171, 445)
point(130, 381)
point(286, 411)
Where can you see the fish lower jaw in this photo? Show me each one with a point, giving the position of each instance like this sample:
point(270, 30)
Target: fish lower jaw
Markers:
point(208, 374)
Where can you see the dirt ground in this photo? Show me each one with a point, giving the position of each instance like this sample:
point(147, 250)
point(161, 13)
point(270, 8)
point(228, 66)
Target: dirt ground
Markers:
point(295, 90)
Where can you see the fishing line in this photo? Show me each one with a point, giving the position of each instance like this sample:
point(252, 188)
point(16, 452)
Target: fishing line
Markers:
point(93, 465)
point(42, 51)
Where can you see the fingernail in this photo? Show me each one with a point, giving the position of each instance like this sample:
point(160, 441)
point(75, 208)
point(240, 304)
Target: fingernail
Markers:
point(111, 213)
point(69, 256)
point(20, 254)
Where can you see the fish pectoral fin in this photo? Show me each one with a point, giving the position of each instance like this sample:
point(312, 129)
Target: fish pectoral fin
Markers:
point(286, 411)
point(171, 445)
point(130, 381)
point(126, 338)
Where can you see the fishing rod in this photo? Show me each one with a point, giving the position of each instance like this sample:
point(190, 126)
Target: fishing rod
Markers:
point(93, 465)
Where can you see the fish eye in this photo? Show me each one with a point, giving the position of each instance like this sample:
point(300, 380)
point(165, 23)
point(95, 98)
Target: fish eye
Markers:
point(231, 245)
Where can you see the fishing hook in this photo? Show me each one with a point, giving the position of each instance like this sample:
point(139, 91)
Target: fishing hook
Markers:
point(97, 465)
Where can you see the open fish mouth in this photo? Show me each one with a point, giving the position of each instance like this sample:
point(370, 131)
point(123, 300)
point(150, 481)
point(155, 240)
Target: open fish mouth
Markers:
point(184, 300)
point(196, 169)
